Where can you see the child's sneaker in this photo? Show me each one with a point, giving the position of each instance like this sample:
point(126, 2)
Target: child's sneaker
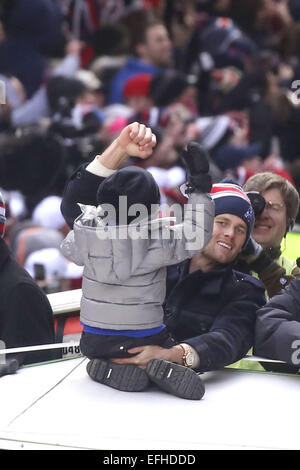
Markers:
point(125, 377)
point(176, 379)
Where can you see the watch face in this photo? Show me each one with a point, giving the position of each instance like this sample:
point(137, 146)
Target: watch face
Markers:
point(189, 359)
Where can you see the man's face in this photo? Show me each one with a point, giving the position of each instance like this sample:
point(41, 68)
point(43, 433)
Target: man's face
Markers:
point(270, 225)
point(157, 48)
point(228, 238)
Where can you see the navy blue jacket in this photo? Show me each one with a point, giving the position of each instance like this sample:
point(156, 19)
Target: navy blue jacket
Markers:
point(214, 312)
point(278, 329)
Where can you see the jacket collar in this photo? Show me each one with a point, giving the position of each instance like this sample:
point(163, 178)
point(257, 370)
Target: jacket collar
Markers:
point(210, 281)
point(219, 271)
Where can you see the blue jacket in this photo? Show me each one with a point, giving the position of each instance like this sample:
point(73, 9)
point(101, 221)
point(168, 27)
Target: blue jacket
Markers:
point(132, 67)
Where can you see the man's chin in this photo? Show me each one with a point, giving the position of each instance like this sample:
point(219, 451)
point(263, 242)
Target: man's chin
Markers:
point(263, 240)
point(226, 259)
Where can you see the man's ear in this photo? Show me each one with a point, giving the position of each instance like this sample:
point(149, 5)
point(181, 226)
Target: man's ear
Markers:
point(141, 49)
point(289, 226)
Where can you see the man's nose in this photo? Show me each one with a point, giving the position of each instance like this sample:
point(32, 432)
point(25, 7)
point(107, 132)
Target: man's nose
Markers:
point(229, 232)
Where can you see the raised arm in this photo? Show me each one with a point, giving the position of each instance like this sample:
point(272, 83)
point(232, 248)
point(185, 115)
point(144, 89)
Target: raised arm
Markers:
point(135, 139)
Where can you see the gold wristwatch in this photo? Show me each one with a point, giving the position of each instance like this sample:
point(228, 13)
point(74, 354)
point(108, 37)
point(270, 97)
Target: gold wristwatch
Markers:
point(188, 355)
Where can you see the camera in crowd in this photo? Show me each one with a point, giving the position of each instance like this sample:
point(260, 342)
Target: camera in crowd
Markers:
point(258, 202)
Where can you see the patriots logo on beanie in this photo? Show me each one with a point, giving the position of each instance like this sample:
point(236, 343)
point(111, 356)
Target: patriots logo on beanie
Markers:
point(2, 216)
point(230, 198)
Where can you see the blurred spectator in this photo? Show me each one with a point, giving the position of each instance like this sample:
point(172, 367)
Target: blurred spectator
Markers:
point(136, 93)
point(51, 270)
point(110, 44)
point(150, 96)
point(30, 111)
point(35, 243)
point(27, 237)
point(33, 34)
point(47, 214)
point(230, 156)
point(45, 229)
point(151, 52)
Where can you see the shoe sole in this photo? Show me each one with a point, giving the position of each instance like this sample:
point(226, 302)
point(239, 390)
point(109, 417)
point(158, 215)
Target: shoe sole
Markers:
point(127, 378)
point(176, 379)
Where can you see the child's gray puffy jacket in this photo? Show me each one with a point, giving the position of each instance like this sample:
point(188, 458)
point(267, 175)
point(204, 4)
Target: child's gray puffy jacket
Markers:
point(124, 274)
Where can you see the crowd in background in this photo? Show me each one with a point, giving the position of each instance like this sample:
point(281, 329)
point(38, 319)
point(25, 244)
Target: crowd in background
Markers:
point(225, 73)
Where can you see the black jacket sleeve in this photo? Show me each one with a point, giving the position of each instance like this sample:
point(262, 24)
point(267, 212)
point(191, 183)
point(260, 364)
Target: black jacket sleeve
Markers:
point(81, 188)
point(28, 322)
point(232, 333)
point(277, 330)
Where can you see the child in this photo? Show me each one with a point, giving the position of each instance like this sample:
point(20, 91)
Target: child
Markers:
point(125, 262)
